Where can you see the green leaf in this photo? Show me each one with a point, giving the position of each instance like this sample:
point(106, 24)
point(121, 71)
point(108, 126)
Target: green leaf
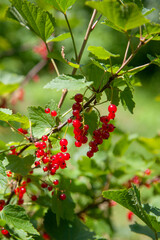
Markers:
point(9, 82)
point(122, 145)
point(59, 38)
point(146, 11)
point(10, 78)
point(61, 5)
point(101, 53)
point(137, 2)
point(42, 122)
point(91, 119)
point(97, 76)
point(145, 230)
point(154, 60)
point(3, 178)
point(69, 82)
point(20, 165)
point(127, 99)
point(151, 144)
point(71, 230)
point(62, 209)
point(6, 115)
point(28, 14)
point(113, 95)
point(130, 199)
point(124, 17)
point(150, 30)
point(90, 168)
point(16, 217)
point(2, 145)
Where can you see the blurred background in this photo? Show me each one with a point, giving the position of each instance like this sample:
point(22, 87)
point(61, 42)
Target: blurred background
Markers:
point(18, 55)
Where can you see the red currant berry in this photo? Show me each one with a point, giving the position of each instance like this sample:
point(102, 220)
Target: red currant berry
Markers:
point(22, 190)
point(12, 147)
point(84, 140)
point(105, 119)
point(63, 196)
point(24, 183)
point(89, 154)
point(63, 149)
point(75, 113)
point(147, 171)
point(44, 138)
point(20, 201)
point(53, 113)
point(78, 144)
point(76, 123)
point(4, 232)
point(69, 120)
point(56, 182)
point(44, 185)
point(50, 188)
point(111, 127)
point(28, 180)
point(20, 130)
point(9, 174)
point(36, 144)
point(39, 153)
point(111, 115)
point(1, 207)
point(130, 215)
point(77, 106)
point(42, 145)
point(86, 127)
point(37, 163)
point(55, 166)
point(63, 165)
point(47, 110)
point(45, 160)
point(2, 202)
point(25, 131)
point(63, 142)
point(46, 236)
point(53, 171)
point(112, 108)
point(78, 97)
point(66, 156)
point(45, 169)
point(34, 198)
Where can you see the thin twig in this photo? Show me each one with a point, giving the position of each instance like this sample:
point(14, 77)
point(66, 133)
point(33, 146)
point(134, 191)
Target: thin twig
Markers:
point(73, 41)
point(91, 26)
point(64, 93)
point(55, 66)
point(126, 52)
point(53, 62)
point(89, 29)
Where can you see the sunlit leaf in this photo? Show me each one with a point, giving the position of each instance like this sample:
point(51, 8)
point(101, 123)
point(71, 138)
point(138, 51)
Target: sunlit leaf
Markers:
point(33, 17)
point(124, 17)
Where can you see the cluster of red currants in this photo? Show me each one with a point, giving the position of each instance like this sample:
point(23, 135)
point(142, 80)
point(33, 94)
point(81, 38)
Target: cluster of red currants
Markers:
point(80, 130)
point(103, 132)
point(13, 150)
point(21, 190)
point(52, 162)
point(24, 131)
